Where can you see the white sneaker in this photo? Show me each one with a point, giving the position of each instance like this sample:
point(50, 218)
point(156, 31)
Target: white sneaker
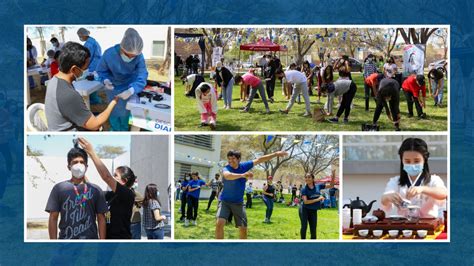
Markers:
point(194, 223)
point(186, 222)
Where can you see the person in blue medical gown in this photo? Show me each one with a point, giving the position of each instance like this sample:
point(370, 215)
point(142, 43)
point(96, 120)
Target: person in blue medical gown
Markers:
point(123, 71)
point(96, 53)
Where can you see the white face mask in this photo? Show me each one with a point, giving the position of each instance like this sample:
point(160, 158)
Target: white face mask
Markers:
point(157, 194)
point(78, 170)
point(126, 59)
point(135, 186)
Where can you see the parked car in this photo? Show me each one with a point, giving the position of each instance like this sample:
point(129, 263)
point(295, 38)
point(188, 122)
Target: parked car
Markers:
point(356, 65)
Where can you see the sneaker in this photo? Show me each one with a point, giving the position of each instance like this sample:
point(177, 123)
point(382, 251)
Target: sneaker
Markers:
point(306, 114)
point(422, 116)
point(181, 219)
point(283, 111)
point(244, 110)
point(334, 120)
point(271, 100)
point(410, 115)
point(346, 120)
point(186, 222)
point(266, 221)
point(203, 124)
point(267, 111)
point(228, 108)
point(194, 223)
point(213, 126)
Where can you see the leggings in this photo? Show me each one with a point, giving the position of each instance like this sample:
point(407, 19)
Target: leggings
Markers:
point(269, 203)
point(184, 200)
point(211, 199)
point(346, 101)
point(193, 204)
point(311, 217)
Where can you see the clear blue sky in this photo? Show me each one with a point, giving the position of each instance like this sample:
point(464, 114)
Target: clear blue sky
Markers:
point(59, 145)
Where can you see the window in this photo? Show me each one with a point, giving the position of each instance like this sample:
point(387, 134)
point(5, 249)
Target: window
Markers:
point(382, 148)
point(158, 49)
point(199, 141)
point(181, 168)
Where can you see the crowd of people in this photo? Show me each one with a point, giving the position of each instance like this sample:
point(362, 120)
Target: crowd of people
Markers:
point(121, 69)
point(85, 211)
point(237, 182)
point(383, 82)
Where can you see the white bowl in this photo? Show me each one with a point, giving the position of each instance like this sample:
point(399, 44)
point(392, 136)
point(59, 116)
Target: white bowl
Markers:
point(407, 233)
point(422, 233)
point(393, 233)
point(377, 233)
point(364, 232)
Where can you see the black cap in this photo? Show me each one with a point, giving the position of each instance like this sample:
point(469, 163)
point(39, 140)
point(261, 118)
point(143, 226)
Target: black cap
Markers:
point(420, 79)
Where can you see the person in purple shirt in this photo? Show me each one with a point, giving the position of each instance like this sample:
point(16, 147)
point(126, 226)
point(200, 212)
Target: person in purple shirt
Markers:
point(231, 199)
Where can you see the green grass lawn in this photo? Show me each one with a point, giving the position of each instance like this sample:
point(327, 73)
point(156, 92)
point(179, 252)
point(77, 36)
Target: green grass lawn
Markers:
point(285, 223)
point(187, 116)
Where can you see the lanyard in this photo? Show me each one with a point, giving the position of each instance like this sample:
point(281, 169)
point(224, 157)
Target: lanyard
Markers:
point(417, 182)
point(81, 198)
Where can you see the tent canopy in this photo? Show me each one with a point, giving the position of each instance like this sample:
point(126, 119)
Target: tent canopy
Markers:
point(327, 179)
point(263, 45)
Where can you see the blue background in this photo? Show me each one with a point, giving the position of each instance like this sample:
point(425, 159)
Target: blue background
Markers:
point(459, 14)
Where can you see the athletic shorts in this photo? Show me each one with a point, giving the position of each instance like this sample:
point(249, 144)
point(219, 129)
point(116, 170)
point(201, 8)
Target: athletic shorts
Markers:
point(237, 210)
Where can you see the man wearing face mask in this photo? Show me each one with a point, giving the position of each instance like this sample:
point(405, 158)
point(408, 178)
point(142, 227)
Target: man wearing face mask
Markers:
point(57, 46)
point(123, 71)
point(64, 106)
point(77, 202)
point(120, 200)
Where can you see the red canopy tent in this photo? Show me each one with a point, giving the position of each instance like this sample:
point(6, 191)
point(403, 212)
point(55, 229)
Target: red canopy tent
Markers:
point(327, 179)
point(263, 45)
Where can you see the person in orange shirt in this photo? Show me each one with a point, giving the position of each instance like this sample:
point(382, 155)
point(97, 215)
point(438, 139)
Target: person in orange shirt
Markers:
point(371, 83)
point(411, 87)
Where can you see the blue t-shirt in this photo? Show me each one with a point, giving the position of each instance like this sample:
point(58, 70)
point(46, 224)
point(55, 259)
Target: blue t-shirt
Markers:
point(234, 189)
point(312, 194)
point(195, 184)
point(185, 183)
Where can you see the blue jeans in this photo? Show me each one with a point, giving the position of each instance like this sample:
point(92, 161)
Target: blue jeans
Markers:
point(157, 233)
point(438, 99)
point(136, 229)
point(333, 201)
point(269, 203)
point(227, 93)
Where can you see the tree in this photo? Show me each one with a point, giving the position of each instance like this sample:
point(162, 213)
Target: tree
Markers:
point(216, 37)
point(270, 144)
point(318, 153)
point(109, 151)
point(33, 152)
point(416, 35)
point(442, 36)
point(166, 64)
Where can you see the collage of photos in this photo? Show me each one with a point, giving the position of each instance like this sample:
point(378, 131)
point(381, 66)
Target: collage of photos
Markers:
point(311, 79)
point(257, 133)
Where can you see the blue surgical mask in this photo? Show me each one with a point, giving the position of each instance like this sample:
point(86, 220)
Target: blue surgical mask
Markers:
point(219, 68)
point(82, 76)
point(413, 169)
point(126, 59)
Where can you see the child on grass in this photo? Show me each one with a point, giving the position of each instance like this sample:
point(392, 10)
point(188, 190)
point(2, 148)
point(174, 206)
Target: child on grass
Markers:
point(207, 104)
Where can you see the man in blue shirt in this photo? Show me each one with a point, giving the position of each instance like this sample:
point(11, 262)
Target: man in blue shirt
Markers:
point(232, 196)
point(194, 190)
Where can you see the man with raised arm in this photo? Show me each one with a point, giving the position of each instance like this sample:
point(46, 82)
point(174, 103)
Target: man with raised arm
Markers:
point(232, 197)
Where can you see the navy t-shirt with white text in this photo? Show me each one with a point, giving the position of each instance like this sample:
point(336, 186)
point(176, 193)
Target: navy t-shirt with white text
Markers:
point(312, 194)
